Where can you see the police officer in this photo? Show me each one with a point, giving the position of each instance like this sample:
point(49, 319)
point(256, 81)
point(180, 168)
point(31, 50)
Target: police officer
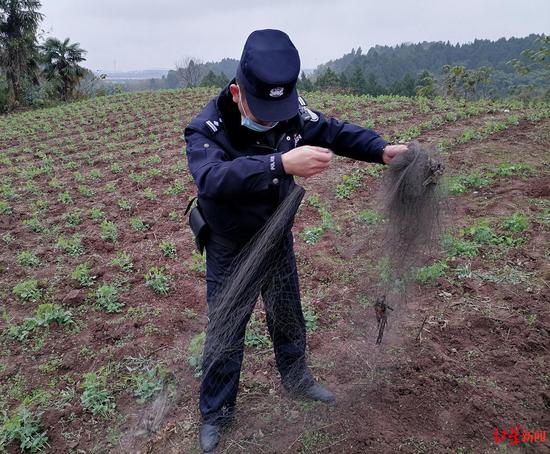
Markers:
point(243, 151)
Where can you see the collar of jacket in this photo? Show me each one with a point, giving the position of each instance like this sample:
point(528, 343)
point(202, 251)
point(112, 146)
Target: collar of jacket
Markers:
point(241, 136)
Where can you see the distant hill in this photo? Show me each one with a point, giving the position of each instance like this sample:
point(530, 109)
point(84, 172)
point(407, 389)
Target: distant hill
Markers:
point(390, 64)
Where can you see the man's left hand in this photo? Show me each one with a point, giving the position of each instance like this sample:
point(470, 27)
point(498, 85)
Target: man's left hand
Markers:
point(391, 151)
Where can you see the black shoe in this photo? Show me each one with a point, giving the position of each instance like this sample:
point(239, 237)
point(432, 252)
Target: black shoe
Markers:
point(315, 392)
point(209, 437)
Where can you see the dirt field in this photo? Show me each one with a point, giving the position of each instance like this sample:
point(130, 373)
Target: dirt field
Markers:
point(466, 351)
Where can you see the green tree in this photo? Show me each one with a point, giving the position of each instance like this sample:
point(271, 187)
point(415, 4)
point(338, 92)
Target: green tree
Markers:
point(329, 79)
point(372, 86)
point(426, 85)
point(61, 65)
point(304, 83)
point(214, 80)
point(537, 59)
point(19, 20)
point(357, 81)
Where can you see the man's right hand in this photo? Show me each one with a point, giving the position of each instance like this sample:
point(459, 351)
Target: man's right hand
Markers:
point(306, 161)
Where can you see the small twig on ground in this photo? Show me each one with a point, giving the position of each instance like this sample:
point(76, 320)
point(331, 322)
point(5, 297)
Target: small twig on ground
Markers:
point(381, 316)
point(418, 336)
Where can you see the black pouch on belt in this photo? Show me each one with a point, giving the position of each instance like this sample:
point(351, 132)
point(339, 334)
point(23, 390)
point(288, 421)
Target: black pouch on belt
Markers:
point(198, 225)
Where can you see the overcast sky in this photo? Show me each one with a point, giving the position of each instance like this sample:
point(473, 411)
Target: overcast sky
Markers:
point(145, 34)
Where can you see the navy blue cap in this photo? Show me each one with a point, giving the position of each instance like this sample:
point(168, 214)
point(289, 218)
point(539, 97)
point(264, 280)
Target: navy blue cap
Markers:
point(268, 70)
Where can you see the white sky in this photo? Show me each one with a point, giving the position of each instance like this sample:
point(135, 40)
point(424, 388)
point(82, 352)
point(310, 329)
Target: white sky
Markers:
point(140, 34)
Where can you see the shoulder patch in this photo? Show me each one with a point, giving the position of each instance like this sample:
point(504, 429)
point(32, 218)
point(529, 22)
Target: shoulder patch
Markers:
point(211, 125)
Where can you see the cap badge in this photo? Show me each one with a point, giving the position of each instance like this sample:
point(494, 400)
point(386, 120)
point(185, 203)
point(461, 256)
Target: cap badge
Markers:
point(276, 92)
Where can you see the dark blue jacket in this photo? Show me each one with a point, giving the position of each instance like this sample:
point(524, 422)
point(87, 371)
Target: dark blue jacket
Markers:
point(239, 172)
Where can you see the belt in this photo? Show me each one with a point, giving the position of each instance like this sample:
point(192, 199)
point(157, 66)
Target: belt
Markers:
point(224, 241)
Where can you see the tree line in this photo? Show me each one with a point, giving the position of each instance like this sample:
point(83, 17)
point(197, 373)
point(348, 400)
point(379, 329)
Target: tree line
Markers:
point(33, 74)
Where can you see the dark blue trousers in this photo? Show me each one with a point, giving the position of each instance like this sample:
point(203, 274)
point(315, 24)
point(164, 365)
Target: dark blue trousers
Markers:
point(281, 295)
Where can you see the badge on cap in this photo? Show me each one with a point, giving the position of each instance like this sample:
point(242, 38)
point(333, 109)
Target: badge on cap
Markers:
point(276, 92)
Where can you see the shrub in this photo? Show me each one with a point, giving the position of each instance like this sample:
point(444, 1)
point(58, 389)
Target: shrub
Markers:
point(123, 261)
point(168, 248)
point(23, 427)
point(106, 297)
point(109, 231)
point(27, 258)
point(28, 290)
point(81, 274)
point(516, 223)
point(157, 280)
point(95, 397)
point(429, 274)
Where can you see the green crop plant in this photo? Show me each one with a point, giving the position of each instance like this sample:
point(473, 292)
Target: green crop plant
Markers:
point(8, 238)
point(154, 172)
point(137, 177)
point(146, 384)
point(310, 317)
point(73, 217)
point(157, 280)
point(81, 274)
point(506, 169)
point(198, 262)
point(177, 187)
point(78, 177)
point(109, 187)
point(137, 224)
point(168, 249)
point(173, 216)
point(467, 135)
point(45, 315)
point(34, 224)
point(96, 398)
point(482, 233)
point(124, 204)
point(516, 223)
point(86, 191)
point(544, 216)
point(106, 297)
point(109, 231)
point(312, 234)
point(195, 349)
point(430, 274)
point(123, 261)
point(23, 428)
point(149, 194)
point(314, 200)
point(72, 246)
point(255, 335)
point(458, 247)
point(375, 170)
point(65, 198)
point(5, 208)
point(116, 168)
point(27, 258)
point(151, 160)
point(370, 217)
point(96, 174)
point(96, 214)
point(27, 291)
point(349, 184)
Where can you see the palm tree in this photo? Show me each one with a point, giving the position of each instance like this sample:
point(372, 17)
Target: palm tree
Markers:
point(19, 20)
point(61, 61)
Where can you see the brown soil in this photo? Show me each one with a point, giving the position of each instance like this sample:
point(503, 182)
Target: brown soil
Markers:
point(458, 359)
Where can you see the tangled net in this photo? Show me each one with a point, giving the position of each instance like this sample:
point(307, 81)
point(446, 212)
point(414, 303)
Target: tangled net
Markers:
point(262, 267)
point(412, 201)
